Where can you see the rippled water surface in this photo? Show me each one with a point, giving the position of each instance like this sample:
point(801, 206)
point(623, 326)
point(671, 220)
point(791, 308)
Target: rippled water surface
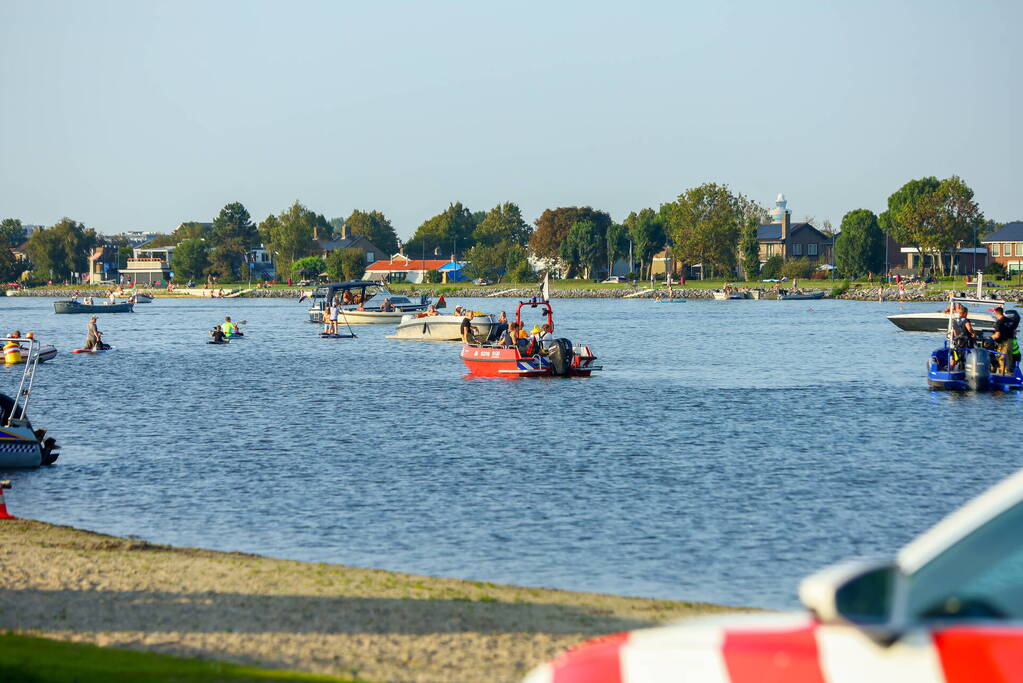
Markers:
point(728, 448)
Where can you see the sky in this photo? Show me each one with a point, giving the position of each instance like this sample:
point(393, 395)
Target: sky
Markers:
point(142, 115)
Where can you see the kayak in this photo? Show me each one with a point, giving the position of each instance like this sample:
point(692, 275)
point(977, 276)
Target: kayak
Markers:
point(112, 348)
point(234, 336)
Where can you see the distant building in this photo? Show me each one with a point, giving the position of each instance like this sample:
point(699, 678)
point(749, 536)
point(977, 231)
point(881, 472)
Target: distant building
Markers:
point(781, 237)
point(1005, 246)
point(135, 238)
point(148, 265)
point(401, 268)
point(347, 241)
point(261, 265)
point(102, 264)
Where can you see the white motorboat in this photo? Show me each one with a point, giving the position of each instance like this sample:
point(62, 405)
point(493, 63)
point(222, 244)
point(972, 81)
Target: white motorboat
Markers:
point(362, 302)
point(136, 297)
point(731, 294)
point(937, 321)
point(441, 327)
point(20, 444)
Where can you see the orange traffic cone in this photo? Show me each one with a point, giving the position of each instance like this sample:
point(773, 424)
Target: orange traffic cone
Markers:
point(3, 506)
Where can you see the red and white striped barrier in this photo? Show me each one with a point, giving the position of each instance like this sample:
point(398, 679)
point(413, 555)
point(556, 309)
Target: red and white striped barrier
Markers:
point(790, 649)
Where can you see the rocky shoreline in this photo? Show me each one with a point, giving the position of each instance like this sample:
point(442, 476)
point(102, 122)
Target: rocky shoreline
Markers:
point(855, 293)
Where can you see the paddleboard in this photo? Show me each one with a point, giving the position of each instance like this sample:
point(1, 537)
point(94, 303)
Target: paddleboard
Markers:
point(112, 348)
point(671, 301)
point(217, 343)
point(324, 335)
point(234, 336)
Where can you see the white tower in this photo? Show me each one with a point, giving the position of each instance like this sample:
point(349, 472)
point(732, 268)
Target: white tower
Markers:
point(780, 209)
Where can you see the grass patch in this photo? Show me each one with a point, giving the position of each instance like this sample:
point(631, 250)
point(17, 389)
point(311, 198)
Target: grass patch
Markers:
point(39, 660)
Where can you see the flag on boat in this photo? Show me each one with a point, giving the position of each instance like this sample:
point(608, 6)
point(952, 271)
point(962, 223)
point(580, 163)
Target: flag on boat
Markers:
point(545, 288)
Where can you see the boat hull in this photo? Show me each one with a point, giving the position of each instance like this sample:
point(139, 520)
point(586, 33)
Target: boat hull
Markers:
point(19, 447)
point(801, 297)
point(77, 307)
point(495, 361)
point(970, 374)
point(937, 322)
point(441, 327)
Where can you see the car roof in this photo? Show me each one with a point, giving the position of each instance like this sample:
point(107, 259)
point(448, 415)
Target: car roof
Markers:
point(962, 522)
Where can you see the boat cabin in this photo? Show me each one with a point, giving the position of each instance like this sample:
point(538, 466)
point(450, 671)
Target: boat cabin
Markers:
point(355, 292)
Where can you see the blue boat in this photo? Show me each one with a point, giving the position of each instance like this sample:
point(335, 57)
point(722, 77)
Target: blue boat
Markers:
point(959, 366)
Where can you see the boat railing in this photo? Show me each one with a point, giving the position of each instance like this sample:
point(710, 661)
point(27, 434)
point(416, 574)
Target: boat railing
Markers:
point(27, 377)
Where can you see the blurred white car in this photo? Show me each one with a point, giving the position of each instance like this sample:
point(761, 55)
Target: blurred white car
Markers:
point(948, 608)
point(614, 279)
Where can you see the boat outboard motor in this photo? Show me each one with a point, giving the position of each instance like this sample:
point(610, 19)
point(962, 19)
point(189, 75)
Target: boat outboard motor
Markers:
point(978, 368)
point(560, 355)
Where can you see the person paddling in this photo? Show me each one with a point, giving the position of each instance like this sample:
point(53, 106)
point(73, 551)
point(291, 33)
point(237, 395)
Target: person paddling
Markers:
point(218, 335)
point(229, 328)
point(94, 338)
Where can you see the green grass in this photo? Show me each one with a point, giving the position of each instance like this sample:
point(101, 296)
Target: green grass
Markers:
point(38, 660)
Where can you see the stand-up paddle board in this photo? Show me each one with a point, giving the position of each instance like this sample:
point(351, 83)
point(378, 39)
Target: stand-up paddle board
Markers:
point(112, 348)
point(325, 335)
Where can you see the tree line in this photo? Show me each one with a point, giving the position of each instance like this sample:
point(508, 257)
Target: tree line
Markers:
point(709, 224)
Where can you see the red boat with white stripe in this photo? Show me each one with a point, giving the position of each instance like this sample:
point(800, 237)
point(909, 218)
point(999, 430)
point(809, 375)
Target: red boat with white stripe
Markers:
point(947, 609)
point(559, 359)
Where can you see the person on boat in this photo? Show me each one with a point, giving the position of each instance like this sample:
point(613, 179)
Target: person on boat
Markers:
point(111, 299)
point(458, 311)
point(218, 335)
point(1003, 336)
point(507, 337)
point(545, 338)
point(429, 312)
point(387, 306)
point(87, 301)
point(94, 338)
point(12, 350)
point(502, 325)
point(467, 329)
point(962, 333)
point(346, 296)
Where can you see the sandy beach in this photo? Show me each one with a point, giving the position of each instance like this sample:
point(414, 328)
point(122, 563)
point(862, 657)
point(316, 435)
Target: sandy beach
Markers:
point(68, 584)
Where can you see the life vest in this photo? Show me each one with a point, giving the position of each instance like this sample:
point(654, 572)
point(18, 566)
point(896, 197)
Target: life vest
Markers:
point(12, 353)
point(227, 328)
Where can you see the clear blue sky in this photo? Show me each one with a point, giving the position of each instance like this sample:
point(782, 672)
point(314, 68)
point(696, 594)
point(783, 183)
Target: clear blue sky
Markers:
point(140, 115)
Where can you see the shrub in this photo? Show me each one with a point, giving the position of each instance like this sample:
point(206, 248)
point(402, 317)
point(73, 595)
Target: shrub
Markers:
point(994, 268)
point(434, 276)
point(840, 289)
point(797, 268)
point(771, 269)
point(521, 272)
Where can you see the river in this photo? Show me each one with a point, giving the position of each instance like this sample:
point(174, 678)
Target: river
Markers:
point(726, 450)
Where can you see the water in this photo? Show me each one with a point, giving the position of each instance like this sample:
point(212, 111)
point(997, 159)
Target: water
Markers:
point(728, 448)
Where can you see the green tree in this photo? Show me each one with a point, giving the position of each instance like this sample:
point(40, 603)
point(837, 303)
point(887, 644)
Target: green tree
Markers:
point(9, 268)
point(751, 216)
point(553, 226)
point(859, 246)
point(503, 223)
point(646, 231)
point(353, 263)
point(334, 266)
point(495, 261)
point(617, 244)
point(907, 219)
point(289, 236)
point(62, 250)
point(232, 235)
point(12, 231)
point(227, 262)
point(957, 216)
point(451, 230)
point(583, 247)
point(772, 267)
point(309, 267)
point(704, 225)
point(375, 227)
point(190, 260)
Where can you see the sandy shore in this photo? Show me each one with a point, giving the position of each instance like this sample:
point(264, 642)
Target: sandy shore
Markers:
point(76, 585)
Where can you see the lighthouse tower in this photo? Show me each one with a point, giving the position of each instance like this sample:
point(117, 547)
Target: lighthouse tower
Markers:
point(780, 209)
